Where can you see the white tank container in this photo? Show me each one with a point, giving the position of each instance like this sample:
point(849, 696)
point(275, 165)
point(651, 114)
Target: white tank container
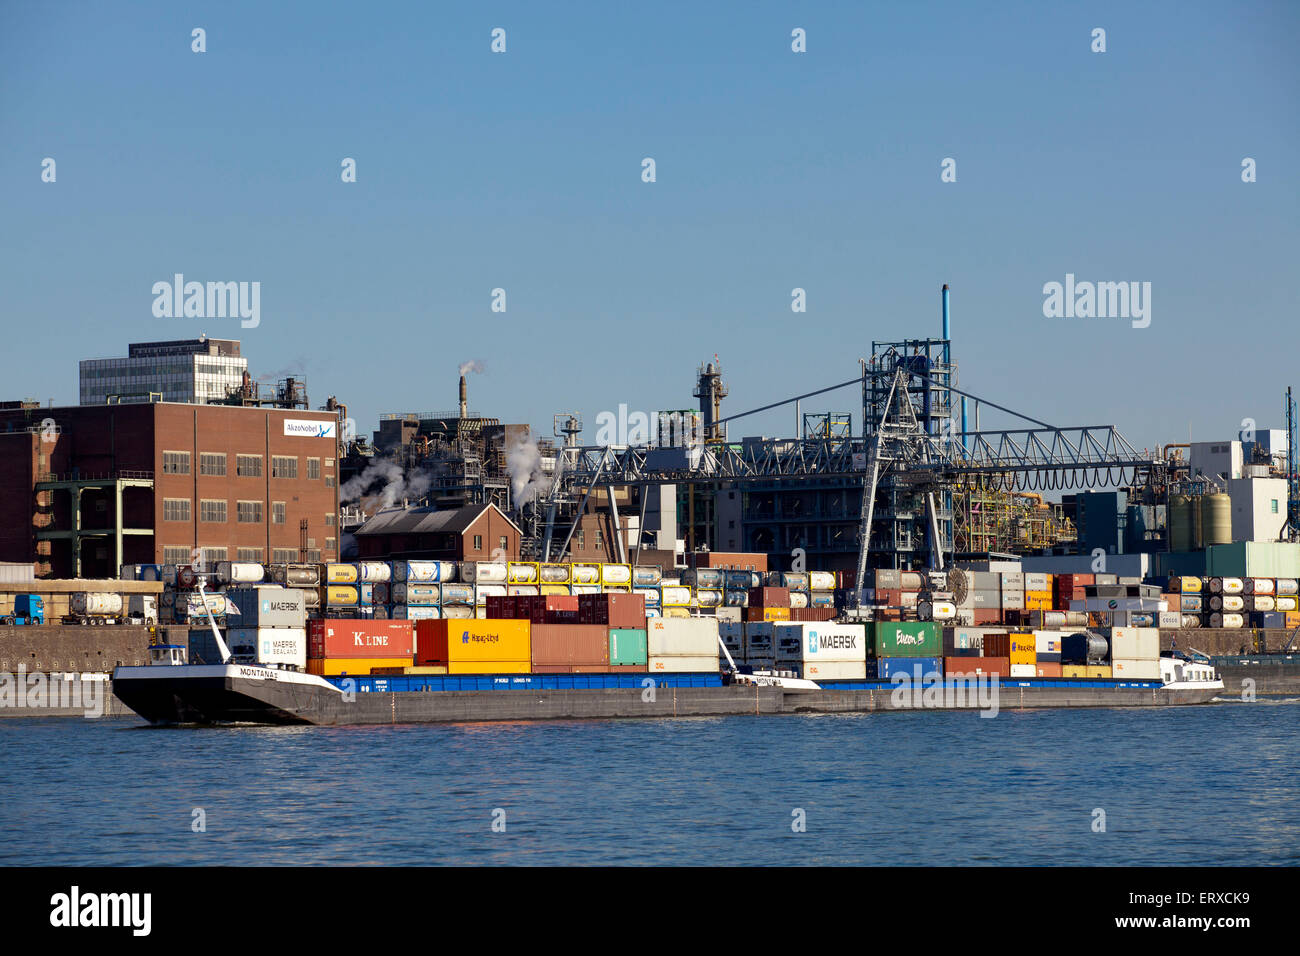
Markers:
point(95, 603)
point(825, 580)
point(373, 571)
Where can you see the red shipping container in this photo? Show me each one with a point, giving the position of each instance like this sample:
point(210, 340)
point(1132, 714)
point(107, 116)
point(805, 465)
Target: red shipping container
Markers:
point(983, 665)
point(341, 637)
point(612, 610)
point(812, 614)
point(570, 645)
point(561, 602)
point(1049, 670)
point(997, 645)
point(769, 597)
point(985, 616)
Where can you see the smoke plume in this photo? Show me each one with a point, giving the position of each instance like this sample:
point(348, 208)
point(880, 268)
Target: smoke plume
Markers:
point(473, 365)
point(396, 483)
point(524, 465)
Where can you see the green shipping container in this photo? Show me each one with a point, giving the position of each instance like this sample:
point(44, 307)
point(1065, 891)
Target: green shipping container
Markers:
point(627, 646)
point(913, 639)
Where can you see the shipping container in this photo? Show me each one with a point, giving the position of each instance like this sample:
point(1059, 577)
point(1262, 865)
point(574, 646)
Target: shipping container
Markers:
point(1024, 670)
point(424, 594)
point(807, 642)
point(915, 668)
point(1122, 669)
point(472, 641)
point(404, 612)
point(587, 574)
point(338, 638)
point(551, 573)
point(957, 667)
point(684, 665)
point(682, 637)
point(627, 647)
point(373, 572)
point(834, 670)
point(647, 577)
point(912, 639)
point(353, 666)
point(239, 572)
point(269, 646)
point(1135, 643)
point(268, 605)
point(1098, 670)
point(570, 645)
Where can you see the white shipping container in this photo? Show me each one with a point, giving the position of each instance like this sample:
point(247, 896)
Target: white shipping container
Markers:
point(270, 645)
point(682, 637)
point(760, 640)
point(1036, 581)
point(1135, 643)
point(374, 571)
point(268, 606)
point(1047, 642)
point(1122, 669)
point(835, 670)
point(525, 590)
point(821, 641)
point(683, 665)
point(1022, 670)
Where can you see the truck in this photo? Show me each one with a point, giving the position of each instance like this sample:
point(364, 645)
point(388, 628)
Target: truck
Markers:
point(28, 609)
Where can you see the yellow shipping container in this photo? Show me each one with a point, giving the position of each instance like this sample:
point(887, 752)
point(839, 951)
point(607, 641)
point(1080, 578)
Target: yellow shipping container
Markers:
point(490, 667)
point(776, 614)
point(479, 641)
point(1074, 670)
point(1024, 649)
point(676, 612)
point(1098, 670)
point(555, 589)
point(1293, 619)
point(1038, 603)
point(426, 669)
point(354, 666)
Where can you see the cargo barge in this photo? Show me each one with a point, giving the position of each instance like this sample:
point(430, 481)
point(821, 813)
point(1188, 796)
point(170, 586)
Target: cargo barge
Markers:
point(237, 693)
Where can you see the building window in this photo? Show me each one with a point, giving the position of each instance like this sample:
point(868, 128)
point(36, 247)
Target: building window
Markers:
point(283, 466)
point(1274, 504)
point(249, 554)
point(176, 509)
point(176, 554)
point(284, 555)
point(505, 543)
point(600, 538)
point(582, 539)
point(313, 556)
point(329, 544)
point(329, 520)
point(277, 512)
point(248, 466)
point(250, 512)
point(329, 481)
point(213, 510)
point(212, 463)
point(176, 463)
point(212, 555)
point(478, 542)
point(313, 469)
point(329, 462)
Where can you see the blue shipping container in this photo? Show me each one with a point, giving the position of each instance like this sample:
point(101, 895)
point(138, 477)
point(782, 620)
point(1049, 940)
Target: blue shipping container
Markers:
point(917, 668)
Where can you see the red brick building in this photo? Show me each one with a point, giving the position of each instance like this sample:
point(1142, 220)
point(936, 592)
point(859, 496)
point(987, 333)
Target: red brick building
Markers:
point(84, 489)
point(471, 533)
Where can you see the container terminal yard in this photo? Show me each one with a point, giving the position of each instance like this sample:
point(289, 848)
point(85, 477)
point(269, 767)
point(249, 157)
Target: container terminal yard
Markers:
point(227, 553)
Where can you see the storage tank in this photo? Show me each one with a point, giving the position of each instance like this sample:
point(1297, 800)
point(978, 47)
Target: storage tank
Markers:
point(454, 593)
point(1084, 647)
point(646, 577)
point(825, 581)
point(522, 572)
point(708, 597)
point(483, 572)
point(798, 599)
point(95, 603)
point(239, 572)
point(555, 573)
point(1180, 523)
point(586, 574)
point(340, 574)
point(1215, 520)
point(373, 571)
point(616, 574)
point(297, 575)
point(424, 572)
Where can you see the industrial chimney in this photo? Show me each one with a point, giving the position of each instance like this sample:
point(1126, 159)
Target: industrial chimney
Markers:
point(464, 401)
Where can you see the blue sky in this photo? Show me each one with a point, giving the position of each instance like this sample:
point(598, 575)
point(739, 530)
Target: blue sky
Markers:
point(775, 170)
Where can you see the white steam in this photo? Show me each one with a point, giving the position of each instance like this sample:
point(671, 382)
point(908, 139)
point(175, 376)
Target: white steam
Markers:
point(473, 365)
point(396, 484)
point(524, 465)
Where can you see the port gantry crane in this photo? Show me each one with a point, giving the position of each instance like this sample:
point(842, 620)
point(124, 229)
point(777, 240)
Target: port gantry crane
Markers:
point(909, 457)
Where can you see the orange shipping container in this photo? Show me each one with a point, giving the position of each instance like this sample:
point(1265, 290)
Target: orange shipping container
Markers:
point(355, 666)
point(1049, 670)
point(570, 646)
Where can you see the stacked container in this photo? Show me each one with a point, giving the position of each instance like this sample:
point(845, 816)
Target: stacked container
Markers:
point(823, 651)
point(352, 647)
point(682, 645)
